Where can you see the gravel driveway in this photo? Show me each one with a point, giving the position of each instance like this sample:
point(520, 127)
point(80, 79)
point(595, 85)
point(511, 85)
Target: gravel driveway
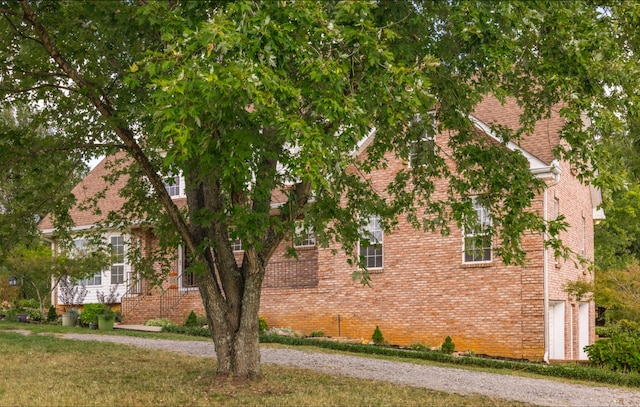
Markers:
point(450, 380)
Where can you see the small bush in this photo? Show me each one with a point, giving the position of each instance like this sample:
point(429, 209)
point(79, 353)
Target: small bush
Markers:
point(90, 313)
point(202, 320)
point(420, 347)
point(262, 325)
point(30, 303)
point(377, 337)
point(191, 320)
point(52, 315)
point(448, 346)
point(34, 314)
point(621, 352)
point(163, 322)
point(316, 334)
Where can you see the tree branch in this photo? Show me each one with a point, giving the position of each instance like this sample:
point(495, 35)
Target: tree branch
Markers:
point(104, 107)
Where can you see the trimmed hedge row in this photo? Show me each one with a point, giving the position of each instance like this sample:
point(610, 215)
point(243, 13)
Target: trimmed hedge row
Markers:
point(569, 371)
point(187, 330)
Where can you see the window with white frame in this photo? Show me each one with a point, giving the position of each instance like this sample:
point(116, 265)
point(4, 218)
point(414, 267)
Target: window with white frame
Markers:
point(371, 244)
point(172, 185)
point(81, 246)
point(477, 240)
point(236, 245)
point(117, 260)
point(422, 151)
point(423, 148)
point(304, 236)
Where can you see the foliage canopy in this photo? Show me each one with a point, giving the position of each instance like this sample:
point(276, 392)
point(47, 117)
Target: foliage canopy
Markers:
point(247, 98)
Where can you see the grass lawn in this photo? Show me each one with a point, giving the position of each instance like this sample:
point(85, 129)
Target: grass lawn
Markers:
point(43, 370)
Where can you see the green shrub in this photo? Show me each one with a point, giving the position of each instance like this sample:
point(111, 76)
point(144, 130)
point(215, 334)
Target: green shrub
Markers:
point(448, 346)
point(262, 325)
point(34, 314)
point(621, 352)
point(420, 347)
point(605, 331)
point(377, 337)
point(29, 303)
point(202, 320)
point(622, 326)
point(187, 330)
point(191, 320)
point(90, 313)
point(316, 334)
point(632, 327)
point(52, 315)
point(163, 322)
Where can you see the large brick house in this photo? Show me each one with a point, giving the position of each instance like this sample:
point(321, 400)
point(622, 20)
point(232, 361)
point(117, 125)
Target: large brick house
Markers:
point(424, 286)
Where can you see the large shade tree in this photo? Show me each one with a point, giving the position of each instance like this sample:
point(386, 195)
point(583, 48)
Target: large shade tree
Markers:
point(247, 98)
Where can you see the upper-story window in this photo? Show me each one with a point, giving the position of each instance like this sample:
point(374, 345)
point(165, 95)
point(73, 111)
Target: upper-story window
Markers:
point(117, 260)
point(172, 185)
point(423, 148)
point(477, 240)
point(305, 237)
point(422, 151)
point(81, 246)
point(371, 249)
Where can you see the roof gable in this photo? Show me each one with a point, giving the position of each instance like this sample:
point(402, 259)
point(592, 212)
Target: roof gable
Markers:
point(91, 186)
point(540, 143)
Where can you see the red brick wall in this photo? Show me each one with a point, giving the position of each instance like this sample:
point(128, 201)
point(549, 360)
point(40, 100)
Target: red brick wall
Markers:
point(425, 292)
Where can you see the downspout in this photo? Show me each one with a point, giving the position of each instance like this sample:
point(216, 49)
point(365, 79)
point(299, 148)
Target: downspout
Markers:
point(555, 171)
point(545, 278)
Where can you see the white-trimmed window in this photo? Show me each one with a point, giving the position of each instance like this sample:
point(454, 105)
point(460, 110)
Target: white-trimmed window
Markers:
point(96, 279)
point(172, 185)
point(371, 247)
point(236, 245)
point(423, 148)
point(422, 151)
point(80, 246)
point(477, 240)
point(304, 236)
point(117, 260)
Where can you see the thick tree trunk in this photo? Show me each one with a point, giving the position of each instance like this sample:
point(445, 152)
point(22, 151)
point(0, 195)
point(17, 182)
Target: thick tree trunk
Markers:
point(235, 330)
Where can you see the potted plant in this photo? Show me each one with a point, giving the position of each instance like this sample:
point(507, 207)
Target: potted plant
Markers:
point(70, 317)
point(71, 296)
point(106, 317)
point(89, 316)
